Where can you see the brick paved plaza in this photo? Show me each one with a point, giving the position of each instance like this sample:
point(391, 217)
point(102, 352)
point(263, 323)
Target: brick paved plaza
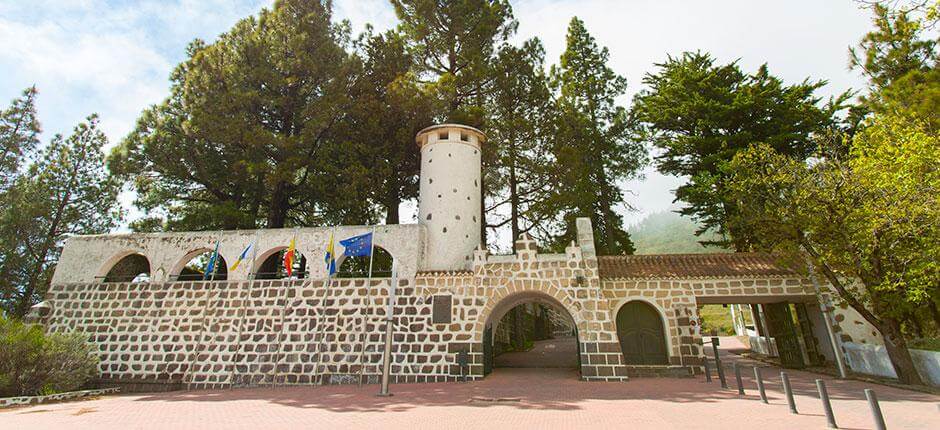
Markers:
point(508, 398)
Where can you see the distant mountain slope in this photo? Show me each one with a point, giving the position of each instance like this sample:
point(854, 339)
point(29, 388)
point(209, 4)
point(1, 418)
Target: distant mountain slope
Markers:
point(669, 233)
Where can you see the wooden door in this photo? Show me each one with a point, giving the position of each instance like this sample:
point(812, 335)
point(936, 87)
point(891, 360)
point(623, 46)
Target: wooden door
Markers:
point(641, 334)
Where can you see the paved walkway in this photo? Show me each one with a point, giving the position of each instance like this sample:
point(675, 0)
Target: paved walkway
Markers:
point(558, 352)
point(508, 398)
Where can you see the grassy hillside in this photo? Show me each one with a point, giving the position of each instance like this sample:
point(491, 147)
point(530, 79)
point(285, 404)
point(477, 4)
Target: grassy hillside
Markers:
point(669, 233)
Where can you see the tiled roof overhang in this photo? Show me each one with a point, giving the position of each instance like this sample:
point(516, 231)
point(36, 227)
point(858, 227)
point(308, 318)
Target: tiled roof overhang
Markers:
point(685, 266)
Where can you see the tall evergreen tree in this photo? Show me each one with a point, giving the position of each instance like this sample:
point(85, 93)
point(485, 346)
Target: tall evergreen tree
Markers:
point(390, 109)
point(244, 134)
point(455, 42)
point(894, 48)
point(19, 134)
point(591, 144)
point(65, 191)
point(701, 114)
point(520, 111)
point(900, 60)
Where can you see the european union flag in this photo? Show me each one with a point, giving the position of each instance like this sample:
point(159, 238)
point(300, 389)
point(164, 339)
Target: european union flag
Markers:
point(357, 246)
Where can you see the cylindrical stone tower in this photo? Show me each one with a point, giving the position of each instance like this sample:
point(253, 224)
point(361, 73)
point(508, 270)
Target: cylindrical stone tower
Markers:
point(449, 197)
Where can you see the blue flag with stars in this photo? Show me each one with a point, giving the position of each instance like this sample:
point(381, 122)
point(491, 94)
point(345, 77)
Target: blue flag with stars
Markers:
point(357, 246)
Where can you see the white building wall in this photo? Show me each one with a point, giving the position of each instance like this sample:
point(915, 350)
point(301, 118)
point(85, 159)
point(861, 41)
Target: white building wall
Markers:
point(87, 259)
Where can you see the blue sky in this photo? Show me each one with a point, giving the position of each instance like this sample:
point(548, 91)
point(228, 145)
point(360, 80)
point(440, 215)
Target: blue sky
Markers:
point(114, 57)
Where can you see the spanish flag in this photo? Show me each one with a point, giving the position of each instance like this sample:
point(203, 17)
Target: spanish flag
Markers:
point(289, 257)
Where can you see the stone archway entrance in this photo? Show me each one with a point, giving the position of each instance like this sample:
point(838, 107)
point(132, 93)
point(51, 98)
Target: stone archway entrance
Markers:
point(641, 334)
point(530, 329)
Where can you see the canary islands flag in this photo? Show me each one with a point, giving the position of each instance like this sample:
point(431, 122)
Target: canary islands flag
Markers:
point(289, 257)
point(241, 257)
point(330, 258)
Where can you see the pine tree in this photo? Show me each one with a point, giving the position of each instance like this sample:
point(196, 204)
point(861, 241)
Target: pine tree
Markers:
point(591, 145)
point(520, 111)
point(19, 134)
point(65, 191)
point(390, 109)
point(454, 42)
point(245, 136)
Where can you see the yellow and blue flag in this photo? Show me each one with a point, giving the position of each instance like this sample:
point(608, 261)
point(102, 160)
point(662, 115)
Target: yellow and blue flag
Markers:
point(330, 258)
point(241, 257)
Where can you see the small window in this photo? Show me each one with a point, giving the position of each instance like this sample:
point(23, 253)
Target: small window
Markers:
point(442, 135)
point(465, 137)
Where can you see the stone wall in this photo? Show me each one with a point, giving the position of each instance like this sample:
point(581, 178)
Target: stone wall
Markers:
point(315, 331)
point(209, 334)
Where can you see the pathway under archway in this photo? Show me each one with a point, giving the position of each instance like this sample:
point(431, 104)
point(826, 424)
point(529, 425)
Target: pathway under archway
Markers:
point(530, 329)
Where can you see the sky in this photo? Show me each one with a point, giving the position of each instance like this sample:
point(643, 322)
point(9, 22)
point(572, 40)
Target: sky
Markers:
point(114, 58)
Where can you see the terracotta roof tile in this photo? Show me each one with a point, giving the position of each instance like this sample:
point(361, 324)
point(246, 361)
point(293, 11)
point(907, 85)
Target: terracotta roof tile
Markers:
point(740, 264)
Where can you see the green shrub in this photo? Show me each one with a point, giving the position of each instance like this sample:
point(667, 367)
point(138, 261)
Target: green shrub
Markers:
point(34, 363)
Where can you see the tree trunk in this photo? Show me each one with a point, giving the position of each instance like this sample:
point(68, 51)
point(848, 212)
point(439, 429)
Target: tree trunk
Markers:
point(482, 206)
point(277, 213)
point(513, 197)
point(897, 350)
point(392, 201)
point(889, 328)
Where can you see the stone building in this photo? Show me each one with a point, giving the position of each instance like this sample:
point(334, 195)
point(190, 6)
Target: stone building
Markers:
point(156, 327)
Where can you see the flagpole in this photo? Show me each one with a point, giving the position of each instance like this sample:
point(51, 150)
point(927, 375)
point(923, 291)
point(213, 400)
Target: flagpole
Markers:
point(365, 318)
point(213, 261)
point(244, 303)
point(387, 353)
point(293, 258)
point(327, 283)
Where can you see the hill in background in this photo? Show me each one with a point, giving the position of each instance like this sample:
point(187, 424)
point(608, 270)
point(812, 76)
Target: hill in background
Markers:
point(669, 233)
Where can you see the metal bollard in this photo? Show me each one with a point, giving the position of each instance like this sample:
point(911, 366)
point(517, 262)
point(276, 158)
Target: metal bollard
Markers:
point(708, 372)
point(720, 368)
point(827, 406)
point(737, 378)
point(789, 392)
point(760, 384)
point(875, 409)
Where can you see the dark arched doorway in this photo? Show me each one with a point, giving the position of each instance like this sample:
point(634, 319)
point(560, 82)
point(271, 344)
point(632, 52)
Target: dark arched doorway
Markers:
point(272, 265)
point(131, 268)
point(197, 263)
point(640, 330)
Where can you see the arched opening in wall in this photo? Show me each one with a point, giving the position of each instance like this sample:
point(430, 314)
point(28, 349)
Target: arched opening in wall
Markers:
point(530, 330)
point(130, 268)
point(358, 267)
point(641, 334)
point(193, 267)
point(272, 265)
